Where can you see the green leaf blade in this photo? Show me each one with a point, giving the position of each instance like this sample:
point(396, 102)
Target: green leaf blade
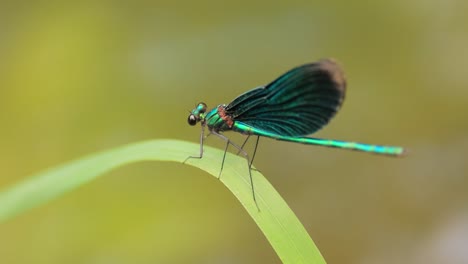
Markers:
point(279, 224)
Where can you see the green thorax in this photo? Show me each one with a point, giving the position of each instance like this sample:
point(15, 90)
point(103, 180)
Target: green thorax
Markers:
point(217, 119)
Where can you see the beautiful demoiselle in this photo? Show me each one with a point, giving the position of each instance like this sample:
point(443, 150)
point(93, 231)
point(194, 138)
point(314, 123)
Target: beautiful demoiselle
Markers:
point(296, 104)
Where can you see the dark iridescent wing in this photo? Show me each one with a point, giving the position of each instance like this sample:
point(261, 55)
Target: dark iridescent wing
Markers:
point(298, 103)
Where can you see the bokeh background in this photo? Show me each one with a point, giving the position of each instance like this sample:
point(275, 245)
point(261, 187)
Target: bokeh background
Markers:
point(76, 78)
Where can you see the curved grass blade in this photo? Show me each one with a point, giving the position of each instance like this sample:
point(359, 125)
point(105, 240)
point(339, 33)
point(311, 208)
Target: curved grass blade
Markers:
point(276, 220)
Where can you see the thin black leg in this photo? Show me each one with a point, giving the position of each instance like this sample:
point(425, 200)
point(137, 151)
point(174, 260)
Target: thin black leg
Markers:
point(229, 142)
point(255, 151)
point(202, 136)
point(224, 156)
point(243, 144)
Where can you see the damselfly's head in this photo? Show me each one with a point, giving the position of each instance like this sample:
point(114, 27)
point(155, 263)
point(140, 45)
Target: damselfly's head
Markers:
point(197, 114)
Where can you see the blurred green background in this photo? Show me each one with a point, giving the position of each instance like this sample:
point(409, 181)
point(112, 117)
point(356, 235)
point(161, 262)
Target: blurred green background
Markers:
point(76, 78)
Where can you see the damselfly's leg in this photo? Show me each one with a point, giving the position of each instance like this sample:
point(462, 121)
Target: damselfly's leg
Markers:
point(255, 151)
point(229, 142)
point(243, 144)
point(202, 136)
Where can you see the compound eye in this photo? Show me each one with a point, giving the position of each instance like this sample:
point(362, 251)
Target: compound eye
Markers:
point(192, 120)
point(202, 107)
